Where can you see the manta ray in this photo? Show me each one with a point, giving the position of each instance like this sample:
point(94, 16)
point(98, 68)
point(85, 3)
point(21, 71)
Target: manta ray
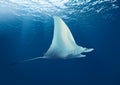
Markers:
point(63, 44)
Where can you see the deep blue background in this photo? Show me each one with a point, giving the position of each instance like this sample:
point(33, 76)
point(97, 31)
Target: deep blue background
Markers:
point(22, 38)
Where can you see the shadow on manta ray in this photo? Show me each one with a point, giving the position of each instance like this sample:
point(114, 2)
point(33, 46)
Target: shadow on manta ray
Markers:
point(63, 44)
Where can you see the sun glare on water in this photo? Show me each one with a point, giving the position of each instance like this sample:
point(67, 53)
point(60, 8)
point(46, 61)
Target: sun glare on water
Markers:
point(62, 8)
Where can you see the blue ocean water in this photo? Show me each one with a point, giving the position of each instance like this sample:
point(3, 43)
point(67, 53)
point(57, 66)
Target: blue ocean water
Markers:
point(26, 36)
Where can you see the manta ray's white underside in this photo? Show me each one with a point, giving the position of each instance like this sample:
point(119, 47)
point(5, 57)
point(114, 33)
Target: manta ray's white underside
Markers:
point(63, 44)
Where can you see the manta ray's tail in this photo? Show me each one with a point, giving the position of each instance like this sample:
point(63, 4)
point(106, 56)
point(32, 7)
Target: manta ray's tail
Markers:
point(27, 60)
point(34, 59)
